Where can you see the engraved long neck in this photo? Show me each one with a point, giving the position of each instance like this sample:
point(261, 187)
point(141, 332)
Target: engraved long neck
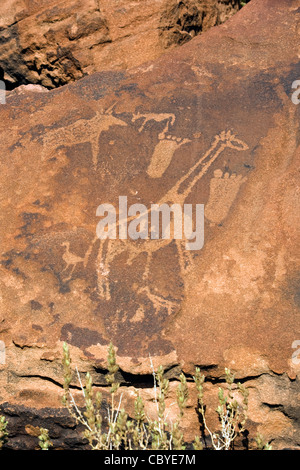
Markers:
point(179, 192)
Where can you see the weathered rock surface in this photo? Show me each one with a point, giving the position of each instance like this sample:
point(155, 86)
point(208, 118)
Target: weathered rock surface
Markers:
point(52, 43)
point(225, 96)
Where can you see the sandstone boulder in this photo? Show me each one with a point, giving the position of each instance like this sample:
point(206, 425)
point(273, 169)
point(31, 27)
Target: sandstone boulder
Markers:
point(212, 123)
point(52, 43)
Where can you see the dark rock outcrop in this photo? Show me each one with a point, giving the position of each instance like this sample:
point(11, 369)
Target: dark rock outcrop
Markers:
point(53, 43)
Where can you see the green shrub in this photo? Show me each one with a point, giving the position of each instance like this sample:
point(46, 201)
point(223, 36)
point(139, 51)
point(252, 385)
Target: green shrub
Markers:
point(231, 412)
point(3, 431)
point(44, 440)
point(261, 443)
point(244, 3)
point(117, 431)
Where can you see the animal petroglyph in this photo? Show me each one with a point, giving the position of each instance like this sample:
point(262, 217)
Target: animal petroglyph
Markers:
point(82, 131)
point(167, 145)
point(72, 260)
point(110, 248)
point(223, 191)
point(157, 117)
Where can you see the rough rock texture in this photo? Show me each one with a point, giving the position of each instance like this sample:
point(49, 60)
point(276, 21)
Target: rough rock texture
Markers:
point(55, 42)
point(210, 122)
point(182, 20)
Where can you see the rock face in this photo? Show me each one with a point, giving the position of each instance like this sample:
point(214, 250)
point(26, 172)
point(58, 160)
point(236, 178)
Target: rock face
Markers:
point(212, 123)
point(52, 43)
point(182, 20)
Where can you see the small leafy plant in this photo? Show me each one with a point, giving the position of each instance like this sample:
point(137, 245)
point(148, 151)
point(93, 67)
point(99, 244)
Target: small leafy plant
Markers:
point(3, 431)
point(44, 439)
point(261, 443)
point(116, 430)
point(244, 3)
point(232, 413)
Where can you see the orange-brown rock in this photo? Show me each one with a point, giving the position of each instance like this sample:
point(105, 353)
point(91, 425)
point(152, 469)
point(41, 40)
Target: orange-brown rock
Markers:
point(212, 123)
point(52, 43)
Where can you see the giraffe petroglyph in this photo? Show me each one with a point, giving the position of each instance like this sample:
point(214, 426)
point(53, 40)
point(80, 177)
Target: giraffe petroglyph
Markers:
point(110, 248)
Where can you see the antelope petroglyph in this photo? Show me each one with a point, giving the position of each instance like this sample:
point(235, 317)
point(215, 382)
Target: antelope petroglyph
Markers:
point(82, 131)
point(167, 143)
point(157, 117)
